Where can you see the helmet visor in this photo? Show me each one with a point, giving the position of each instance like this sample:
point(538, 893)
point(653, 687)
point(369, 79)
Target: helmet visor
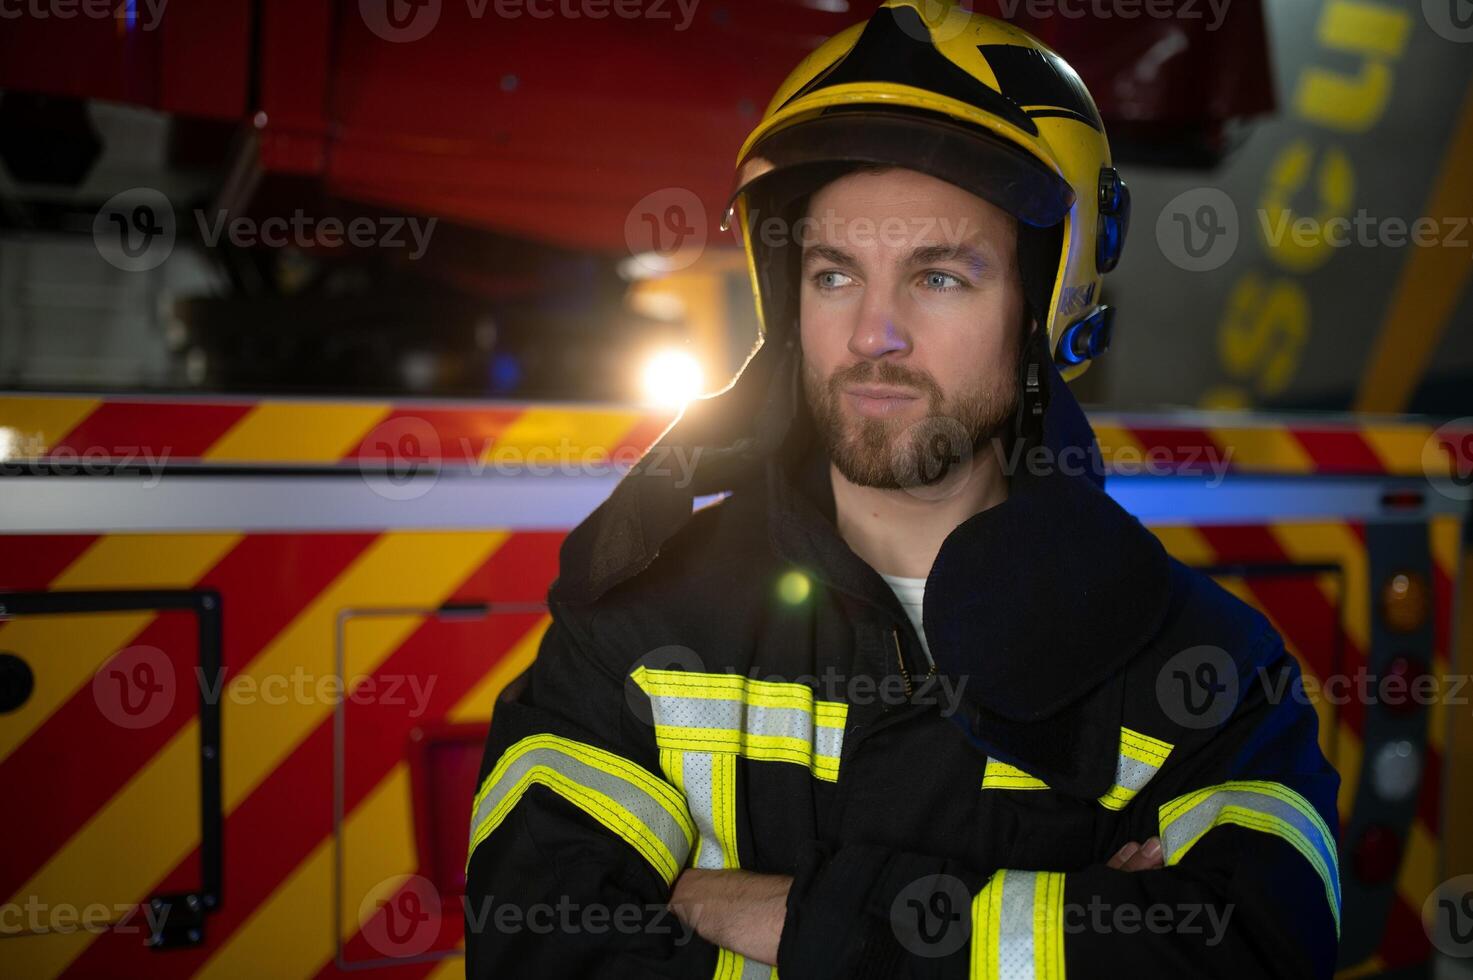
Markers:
point(786, 163)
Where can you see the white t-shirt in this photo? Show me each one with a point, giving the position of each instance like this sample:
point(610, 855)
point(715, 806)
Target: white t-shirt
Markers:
point(911, 592)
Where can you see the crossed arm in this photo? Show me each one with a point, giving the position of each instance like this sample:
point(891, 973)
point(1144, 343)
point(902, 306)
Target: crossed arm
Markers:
point(743, 911)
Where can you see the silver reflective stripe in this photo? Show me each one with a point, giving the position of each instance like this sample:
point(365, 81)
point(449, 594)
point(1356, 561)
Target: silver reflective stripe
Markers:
point(696, 772)
point(752, 970)
point(643, 807)
point(737, 716)
point(1133, 774)
point(1015, 932)
point(1188, 826)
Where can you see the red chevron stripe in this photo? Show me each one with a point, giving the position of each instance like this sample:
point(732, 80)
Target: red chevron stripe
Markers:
point(174, 430)
point(30, 562)
point(1181, 446)
point(462, 434)
point(1338, 450)
point(261, 848)
point(300, 566)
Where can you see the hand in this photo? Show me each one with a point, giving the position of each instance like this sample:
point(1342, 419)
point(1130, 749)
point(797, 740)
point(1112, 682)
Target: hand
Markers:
point(737, 910)
point(1137, 857)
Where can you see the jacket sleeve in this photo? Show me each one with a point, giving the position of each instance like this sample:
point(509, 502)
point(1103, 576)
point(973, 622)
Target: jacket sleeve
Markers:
point(1250, 885)
point(576, 838)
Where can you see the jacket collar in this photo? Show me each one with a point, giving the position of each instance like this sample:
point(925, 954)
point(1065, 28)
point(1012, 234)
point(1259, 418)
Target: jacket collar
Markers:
point(1041, 600)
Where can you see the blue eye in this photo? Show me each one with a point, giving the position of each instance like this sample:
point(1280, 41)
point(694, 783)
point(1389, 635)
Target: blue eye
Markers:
point(942, 282)
point(826, 280)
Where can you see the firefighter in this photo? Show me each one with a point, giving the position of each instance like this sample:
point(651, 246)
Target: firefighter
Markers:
point(914, 697)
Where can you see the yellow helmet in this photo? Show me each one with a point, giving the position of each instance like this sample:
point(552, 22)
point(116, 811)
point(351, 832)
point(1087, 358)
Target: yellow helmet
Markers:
point(931, 86)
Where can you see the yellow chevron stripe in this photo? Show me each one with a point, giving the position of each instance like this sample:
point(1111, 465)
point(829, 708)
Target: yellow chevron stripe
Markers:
point(410, 568)
point(1185, 543)
point(543, 436)
point(1115, 439)
point(379, 851)
point(36, 424)
point(1334, 543)
point(297, 432)
point(1263, 448)
point(1398, 446)
point(74, 647)
point(291, 933)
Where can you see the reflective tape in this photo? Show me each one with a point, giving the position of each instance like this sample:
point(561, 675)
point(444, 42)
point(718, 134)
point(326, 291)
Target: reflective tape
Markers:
point(764, 720)
point(1272, 808)
point(1018, 927)
point(1141, 757)
point(632, 803)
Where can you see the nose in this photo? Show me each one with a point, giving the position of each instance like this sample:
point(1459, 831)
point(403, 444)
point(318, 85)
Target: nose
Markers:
point(877, 329)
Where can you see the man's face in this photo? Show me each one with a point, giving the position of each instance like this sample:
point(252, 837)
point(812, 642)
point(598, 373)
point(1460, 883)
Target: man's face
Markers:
point(911, 314)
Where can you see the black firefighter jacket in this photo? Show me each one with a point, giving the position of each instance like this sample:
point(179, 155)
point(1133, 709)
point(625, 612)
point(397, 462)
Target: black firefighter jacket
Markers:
point(728, 689)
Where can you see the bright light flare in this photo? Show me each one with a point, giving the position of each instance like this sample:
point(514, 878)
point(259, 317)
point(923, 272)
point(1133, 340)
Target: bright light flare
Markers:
point(672, 378)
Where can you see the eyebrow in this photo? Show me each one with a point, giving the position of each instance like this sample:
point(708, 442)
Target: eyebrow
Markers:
point(922, 255)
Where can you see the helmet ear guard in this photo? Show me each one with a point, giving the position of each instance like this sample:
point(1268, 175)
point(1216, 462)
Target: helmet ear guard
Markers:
point(1114, 220)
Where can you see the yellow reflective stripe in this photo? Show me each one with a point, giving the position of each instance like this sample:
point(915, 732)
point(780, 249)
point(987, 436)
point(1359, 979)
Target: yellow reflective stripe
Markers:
point(638, 807)
point(1268, 807)
point(1000, 775)
point(1141, 757)
point(1018, 927)
point(769, 721)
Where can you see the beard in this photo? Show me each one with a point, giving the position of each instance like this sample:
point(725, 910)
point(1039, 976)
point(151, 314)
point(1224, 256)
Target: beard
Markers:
point(930, 456)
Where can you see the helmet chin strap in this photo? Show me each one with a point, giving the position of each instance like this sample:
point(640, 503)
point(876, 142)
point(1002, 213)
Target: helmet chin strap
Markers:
point(1033, 360)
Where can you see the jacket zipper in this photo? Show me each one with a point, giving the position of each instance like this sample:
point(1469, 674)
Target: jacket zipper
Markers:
point(900, 660)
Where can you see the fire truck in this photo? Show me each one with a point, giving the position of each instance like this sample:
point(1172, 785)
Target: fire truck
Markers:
point(249, 650)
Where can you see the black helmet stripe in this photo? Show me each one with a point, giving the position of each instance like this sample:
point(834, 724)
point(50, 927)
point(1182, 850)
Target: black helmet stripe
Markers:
point(891, 49)
point(1043, 85)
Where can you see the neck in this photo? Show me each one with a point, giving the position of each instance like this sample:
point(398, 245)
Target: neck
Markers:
point(898, 532)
